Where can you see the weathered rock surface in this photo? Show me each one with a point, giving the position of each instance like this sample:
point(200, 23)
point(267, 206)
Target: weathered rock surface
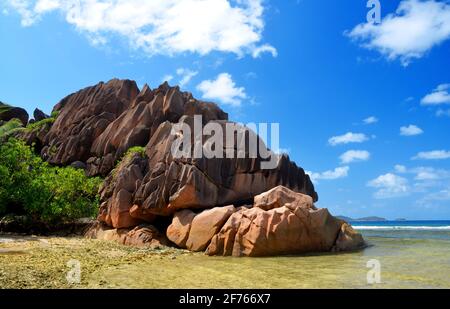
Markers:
point(8, 112)
point(39, 115)
point(83, 116)
point(348, 239)
point(205, 225)
point(280, 222)
point(295, 227)
point(178, 231)
point(136, 125)
point(174, 183)
point(34, 137)
point(144, 235)
point(117, 208)
point(280, 196)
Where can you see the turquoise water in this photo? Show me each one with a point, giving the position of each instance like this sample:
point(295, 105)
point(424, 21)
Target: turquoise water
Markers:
point(410, 254)
point(419, 229)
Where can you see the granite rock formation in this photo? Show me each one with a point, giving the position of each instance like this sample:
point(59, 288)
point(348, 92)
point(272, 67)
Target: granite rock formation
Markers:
point(8, 112)
point(226, 205)
point(280, 222)
point(39, 115)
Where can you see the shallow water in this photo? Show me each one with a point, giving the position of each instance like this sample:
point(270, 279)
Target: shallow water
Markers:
point(405, 263)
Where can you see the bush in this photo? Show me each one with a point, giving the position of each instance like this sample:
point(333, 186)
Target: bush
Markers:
point(47, 194)
point(136, 149)
point(9, 127)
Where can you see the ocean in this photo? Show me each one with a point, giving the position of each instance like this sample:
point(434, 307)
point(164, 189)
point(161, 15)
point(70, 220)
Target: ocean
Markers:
point(418, 229)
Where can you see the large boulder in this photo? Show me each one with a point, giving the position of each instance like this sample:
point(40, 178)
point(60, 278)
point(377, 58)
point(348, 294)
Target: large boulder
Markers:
point(178, 231)
point(280, 196)
point(8, 112)
point(348, 239)
point(145, 235)
point(205, 225)
point(295, 227)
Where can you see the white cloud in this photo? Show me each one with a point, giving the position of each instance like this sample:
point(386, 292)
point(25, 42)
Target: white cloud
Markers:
point(427, 174)
point(438, 96)
point(224, 89)
point(43, 6)
point(389, 185)
point(410, 130)
point(370, 120)
point(400, 168)
point(339, 172)
point(432, 155)
point(354, 155)
point(266, 48)
point(186, 76)
point(414, 28)
point(161, 26)
point(347, 138)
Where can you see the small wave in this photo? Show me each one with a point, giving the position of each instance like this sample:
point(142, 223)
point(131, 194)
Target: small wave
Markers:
point(404, 227)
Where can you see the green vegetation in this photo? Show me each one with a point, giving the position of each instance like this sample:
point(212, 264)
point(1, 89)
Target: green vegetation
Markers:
point(126, 158)
point(4, 107)
point(135, 150)
point(9, 127)
point(47, 194)
point(39, 124)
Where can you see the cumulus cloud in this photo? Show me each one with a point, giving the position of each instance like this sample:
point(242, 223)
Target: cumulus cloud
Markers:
point(338, 172)
point(224, 89)
point(370, 120)
point(347, 138)
point(414, 28)
point(432, 155)
point(161, 26)
point(354, 155)
point(410, 130)
point(438, 96)
point(389, 185)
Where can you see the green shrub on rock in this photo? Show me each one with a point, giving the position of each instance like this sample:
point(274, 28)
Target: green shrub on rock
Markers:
point(10, 126)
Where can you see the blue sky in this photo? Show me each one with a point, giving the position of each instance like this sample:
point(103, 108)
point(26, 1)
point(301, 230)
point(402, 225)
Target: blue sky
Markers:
point(364, 107)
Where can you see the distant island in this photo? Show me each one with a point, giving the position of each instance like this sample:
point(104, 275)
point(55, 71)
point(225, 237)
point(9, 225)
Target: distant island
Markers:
point(373, 218)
